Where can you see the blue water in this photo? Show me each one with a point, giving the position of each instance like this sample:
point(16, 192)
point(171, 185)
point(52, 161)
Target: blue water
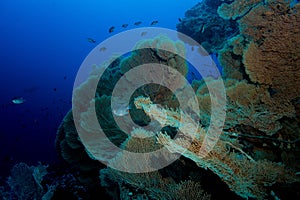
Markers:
point(43, 43)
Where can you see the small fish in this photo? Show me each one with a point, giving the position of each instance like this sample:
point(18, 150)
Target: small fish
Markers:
point(91, 40)
point(138, 23)
point(143, 33)
point(65, 77)
point(179, 19)
point(54, 89)
point(154, 23)
point(102, 49)
point(124, 25)
point(111, 29)
point(203, 28)
point(18, 100)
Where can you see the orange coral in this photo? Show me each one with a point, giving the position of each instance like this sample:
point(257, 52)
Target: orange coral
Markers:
point(273, 56)
point(252, 106)
point(248, 105)
point(268, 52)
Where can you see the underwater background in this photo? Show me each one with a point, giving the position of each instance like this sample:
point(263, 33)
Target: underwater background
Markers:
point(43, 44)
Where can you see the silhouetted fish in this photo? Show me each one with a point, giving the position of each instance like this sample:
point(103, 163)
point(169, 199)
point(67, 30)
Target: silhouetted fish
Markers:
point(102, 49)
point(111, 29)
point(91, 40)
point(179, 19)
point(124, 25)
point(138, 23)
point(143, 33)
point(154, 23)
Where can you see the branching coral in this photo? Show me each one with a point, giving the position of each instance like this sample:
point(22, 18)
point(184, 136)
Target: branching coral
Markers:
point(252, 105)
point(153, 183)
point(247, 105)
point(245, 176)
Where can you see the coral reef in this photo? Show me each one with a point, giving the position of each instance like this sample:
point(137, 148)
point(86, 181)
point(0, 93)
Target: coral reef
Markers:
point(153, 184)
point(272, 56)
point(252, 106)
point(149, 51)
point(45, 183)
point(68, 144)
point(244, 175)
point(257, 44)
point(71, 150)
point(231, 57)
point(247, 105)
point(203, 24)
point(25, 182)
point(266, 55)
point(236, 9)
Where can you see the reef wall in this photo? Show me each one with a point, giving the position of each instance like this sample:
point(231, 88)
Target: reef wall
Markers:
point(258, 154)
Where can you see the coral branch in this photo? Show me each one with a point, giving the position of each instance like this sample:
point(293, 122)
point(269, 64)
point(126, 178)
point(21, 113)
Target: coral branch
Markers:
point(243, 175)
